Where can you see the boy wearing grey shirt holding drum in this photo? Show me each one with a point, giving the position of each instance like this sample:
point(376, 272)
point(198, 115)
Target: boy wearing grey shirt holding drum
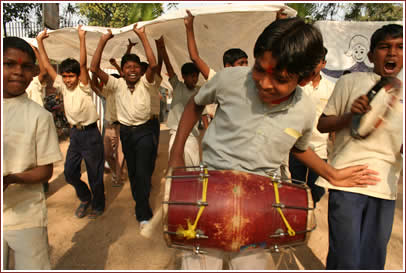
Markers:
point(261, 117)
point(360, 219)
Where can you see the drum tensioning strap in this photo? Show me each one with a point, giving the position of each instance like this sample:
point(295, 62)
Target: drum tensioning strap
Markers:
point(291, 232)
point(190, 232)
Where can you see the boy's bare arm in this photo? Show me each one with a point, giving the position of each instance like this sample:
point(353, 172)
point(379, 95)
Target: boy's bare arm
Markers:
point(129, 46)
point(95, 63)
point(84, 75)
point(162, 51)
point(42, 69)
point(44, 56)
point(35, 175)
point(192, 47)
point(354, 176)
point(95, 85)
point(327, 124)
point(160, 58)
point(152, 65)
point(114, 63)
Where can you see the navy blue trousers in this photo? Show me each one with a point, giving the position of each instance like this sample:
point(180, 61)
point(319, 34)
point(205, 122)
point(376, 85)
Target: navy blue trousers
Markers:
point(299, 171)
point(88, 145)
point(359, 230)
point(139, 148)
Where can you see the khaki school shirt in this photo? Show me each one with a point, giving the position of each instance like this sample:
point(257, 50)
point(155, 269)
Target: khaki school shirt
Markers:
point(247, 134)
point(380, 150)
point(29, 140)
point(78, 103)
point(133, 108)
point(319, 96)
point(36, 91)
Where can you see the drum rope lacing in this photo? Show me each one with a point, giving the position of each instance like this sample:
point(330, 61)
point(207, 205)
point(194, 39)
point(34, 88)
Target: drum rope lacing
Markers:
point(190, 232)
point(291, 232)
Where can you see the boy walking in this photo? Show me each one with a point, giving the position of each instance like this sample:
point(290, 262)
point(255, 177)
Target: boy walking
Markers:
point(182, 92)
point(85, 139)
point(132, 93)
point(360, 218)
point(262, 115)
point(30, 149)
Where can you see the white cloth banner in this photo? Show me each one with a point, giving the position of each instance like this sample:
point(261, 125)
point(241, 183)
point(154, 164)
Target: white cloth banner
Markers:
point(348, 45)
point(217, 28)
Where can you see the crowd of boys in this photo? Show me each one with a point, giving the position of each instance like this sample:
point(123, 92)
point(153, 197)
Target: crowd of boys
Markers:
point(293, 107)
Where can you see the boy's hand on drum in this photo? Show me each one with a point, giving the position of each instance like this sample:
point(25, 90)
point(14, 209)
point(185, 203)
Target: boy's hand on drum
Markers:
point(355, 176)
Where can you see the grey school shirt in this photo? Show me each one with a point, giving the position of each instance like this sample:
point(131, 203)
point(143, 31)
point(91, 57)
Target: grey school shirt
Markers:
point(247, 134)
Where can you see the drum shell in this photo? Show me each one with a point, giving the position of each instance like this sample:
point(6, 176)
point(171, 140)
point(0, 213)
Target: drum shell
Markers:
point(239, 214)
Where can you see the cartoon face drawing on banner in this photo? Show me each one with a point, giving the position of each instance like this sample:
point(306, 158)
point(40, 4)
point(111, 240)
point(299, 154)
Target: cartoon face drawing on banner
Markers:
point(358, 48)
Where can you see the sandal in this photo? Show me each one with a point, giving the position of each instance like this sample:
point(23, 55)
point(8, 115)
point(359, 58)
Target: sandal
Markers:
point(94, 214)
point(81, 210)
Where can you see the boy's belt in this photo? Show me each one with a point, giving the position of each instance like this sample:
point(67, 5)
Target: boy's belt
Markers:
point(85, 127)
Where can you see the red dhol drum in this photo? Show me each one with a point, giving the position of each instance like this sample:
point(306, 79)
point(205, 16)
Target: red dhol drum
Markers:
point(233, 210)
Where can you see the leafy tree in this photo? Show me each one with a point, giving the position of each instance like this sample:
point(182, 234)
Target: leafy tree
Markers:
point(22, 12)
point(349, 11)
point(119, 14)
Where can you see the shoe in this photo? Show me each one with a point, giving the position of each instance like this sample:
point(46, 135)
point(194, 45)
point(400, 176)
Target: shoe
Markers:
point(82, 209)
point(95, 213)
point(143, 224)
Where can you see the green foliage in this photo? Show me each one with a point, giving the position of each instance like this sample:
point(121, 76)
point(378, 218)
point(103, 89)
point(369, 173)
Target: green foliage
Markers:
point(349, 11)
point(119, 14)
point(19, 11)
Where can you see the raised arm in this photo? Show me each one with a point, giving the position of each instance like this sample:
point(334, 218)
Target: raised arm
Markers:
point(114, 63)
point(44, 56)
point(95, 63)
point(192, 47)
point(84, 75)
point(129, 46)
point(160, 57)
point(160, 44)
point(152, 65)
point(42, 69)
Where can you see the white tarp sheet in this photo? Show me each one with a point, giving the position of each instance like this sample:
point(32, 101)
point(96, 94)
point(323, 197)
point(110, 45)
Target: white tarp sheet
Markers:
point(217, 28)
point(348, 45)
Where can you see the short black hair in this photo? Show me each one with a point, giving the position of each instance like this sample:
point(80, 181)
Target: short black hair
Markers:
point(390, 30)
point(232, 55)
point(189, 68)
point(296, 46)
point(130, 58)
point(144, 66)
point(20, 44)
point(70, 65)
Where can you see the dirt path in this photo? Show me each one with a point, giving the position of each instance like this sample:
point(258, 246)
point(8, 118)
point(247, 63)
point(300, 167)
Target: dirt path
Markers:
point(113, 242)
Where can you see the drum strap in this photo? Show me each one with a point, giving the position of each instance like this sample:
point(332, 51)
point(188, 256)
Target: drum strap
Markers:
point(190, 233)
point(291, 232)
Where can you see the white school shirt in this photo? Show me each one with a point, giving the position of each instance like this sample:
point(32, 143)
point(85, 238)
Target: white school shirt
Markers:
point(78, 103)
point(319, 96)
point(29, 140)
point(133, 108)
point(36, 91)
point(380, 150)
point(180, 97)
